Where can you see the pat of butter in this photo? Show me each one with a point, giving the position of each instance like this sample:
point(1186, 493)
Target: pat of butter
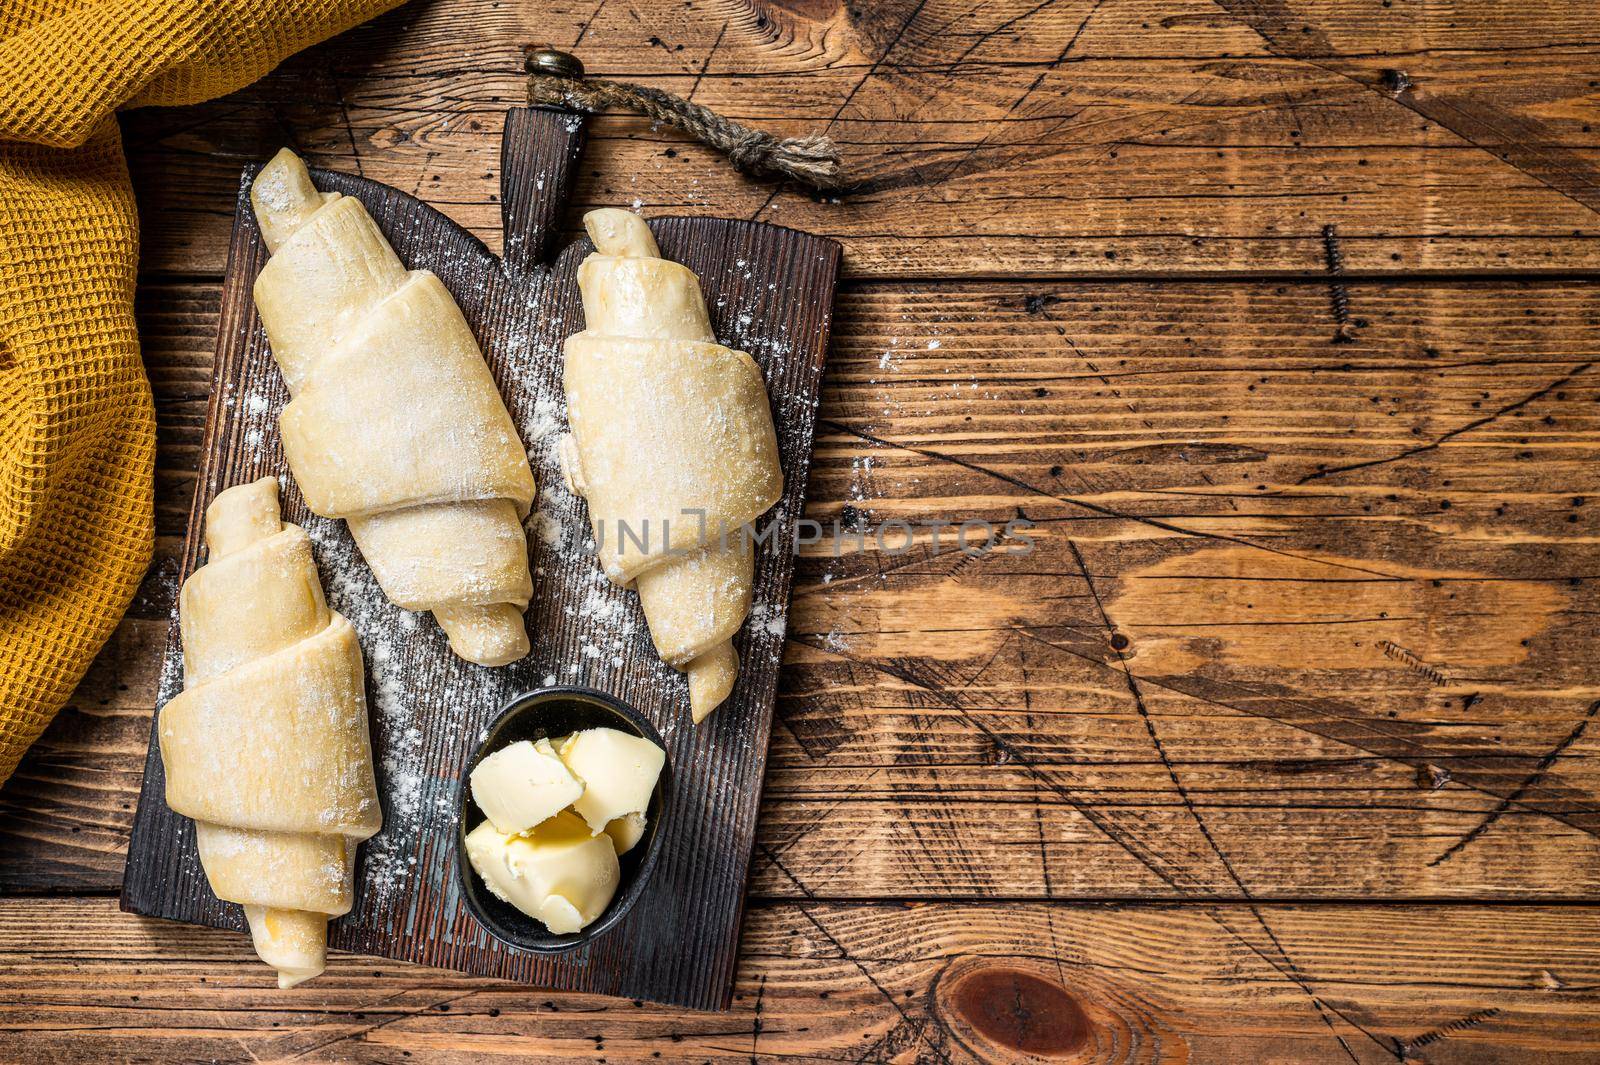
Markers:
point(557, 874)
point(523, 784)
point(618, 772)
point(626, 831)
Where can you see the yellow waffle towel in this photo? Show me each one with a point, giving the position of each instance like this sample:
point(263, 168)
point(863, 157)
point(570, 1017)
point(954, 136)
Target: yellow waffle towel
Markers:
point(77, 428)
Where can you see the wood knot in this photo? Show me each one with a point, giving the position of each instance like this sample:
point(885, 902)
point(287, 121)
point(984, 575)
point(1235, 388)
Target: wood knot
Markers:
point(1021, 1012)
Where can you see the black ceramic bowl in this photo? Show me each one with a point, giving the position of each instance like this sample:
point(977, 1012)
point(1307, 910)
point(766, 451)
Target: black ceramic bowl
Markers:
point(549, 712)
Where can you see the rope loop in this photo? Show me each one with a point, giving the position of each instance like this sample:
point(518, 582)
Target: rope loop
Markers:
point(812, 160)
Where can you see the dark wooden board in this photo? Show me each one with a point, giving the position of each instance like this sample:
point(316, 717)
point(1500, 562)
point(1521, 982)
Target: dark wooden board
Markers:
point(770, 292)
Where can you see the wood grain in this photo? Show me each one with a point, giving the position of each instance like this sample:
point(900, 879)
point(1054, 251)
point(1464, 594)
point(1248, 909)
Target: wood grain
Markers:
point(770, 290)
point(1311, 734)
point(1012, 138)
point(839, 982)
point(1312, 611)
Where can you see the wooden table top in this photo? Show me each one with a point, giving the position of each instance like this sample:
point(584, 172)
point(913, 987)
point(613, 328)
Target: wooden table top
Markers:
point(1277, 319)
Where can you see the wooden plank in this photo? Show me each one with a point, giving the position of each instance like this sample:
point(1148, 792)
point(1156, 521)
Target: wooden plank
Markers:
point(1010, 138)
point(770, 291)
point(1311, 734)
point(839, 982)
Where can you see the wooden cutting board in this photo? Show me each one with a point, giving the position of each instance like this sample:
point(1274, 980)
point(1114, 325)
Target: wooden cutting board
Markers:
point(770, 292)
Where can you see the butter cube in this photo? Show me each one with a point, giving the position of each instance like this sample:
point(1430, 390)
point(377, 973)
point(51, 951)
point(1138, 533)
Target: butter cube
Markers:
point(558, 874)
point(618, 771)
point(626, 831)
point(522, 785)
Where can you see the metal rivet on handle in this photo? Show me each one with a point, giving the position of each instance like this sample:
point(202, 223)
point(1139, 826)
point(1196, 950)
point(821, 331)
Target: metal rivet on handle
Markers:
point(553, 62)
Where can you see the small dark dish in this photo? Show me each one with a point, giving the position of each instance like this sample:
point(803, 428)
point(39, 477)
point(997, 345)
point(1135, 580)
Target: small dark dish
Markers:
point(550, 712)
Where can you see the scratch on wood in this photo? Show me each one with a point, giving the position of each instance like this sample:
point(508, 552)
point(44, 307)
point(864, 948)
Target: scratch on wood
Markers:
point(1476, 423)
point(349, 128)
point(705, 66)
point(1338, 295)
point(1288, 967)
point(1043, 311)
point(962, 162)
point(366, 1030)
point(584, 28)
point(1525, 144)
point(755, 1029)
point(771, 853)
point(919, 1030)
point(1532, 780)
point(1038, 802)
point(988, 35)
point(1412, 662)
point(872, 71)
point(1152, 861)
point(1291, 973)
point(1476, 765)
point(1149, 725)
point(1097, 508)
point(422, 172)
point(877, 64)
point(1471, 1020)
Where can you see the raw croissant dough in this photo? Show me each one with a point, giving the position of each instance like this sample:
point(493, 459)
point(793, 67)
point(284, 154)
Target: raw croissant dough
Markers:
point(395, 425)
point(668, 425)
point(267, 747)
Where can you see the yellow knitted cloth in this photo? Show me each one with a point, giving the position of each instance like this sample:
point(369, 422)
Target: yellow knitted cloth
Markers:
point(77, 428)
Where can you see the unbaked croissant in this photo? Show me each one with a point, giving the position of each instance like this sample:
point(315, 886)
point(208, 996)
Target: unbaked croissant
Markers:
point(673, 443)
point(395, 425)
point(267, 747)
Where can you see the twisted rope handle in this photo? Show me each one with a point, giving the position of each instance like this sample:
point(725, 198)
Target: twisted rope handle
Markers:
point(556, 78)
